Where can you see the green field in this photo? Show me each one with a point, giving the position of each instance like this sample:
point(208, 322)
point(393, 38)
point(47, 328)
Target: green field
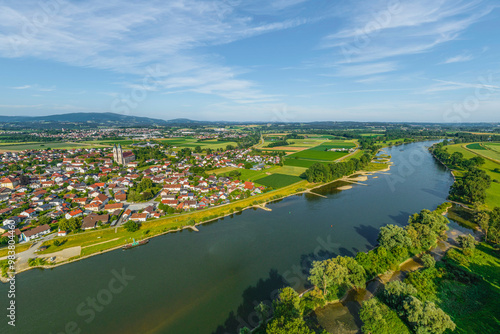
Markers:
point(475, 146)
point(290, 170)
point(191, 142)
point(278, 180)
point(301, 163)
point(314, 154)
point(42, 146)
point(492, 193)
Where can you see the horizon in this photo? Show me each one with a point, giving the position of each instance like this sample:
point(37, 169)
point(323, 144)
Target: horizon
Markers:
point(290, 61)
point(260, 121)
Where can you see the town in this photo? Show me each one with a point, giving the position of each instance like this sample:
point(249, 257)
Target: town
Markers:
point(62, 191)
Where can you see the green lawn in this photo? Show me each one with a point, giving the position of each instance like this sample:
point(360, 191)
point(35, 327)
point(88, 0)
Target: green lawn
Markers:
point(278, 180)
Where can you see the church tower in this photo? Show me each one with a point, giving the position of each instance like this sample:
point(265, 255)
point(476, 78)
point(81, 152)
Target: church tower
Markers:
point(115, 155)
point(119, 153)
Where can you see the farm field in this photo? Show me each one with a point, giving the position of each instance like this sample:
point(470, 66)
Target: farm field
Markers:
point(289, 170)
point(315, 154)
point(318, 153)
point(302, 163)
point(278, 180)
point(490, 151)
point(192, 143)
point(41, 146)
point(493, 193)
point(475, 146)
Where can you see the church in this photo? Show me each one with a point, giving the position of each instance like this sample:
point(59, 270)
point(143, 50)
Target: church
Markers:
point(120, 157)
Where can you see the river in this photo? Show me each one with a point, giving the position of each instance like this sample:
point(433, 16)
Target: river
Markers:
point(209, 281)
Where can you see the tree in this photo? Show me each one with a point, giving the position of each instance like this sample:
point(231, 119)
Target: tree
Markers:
point(72, 224)
point(472, 187)
point(426, 317)
point(245, 330)
point(396, 292)
point(482, 218)
point(373, 316)
point(467, 243)
point(131, 226)
point(317, 173)
point(281, 325)
point(391, 236)
point(494, 225)
point(287, 305)
point(327, 273)
point(428, 260)
point(425, 228)
point(197, 149)
point(262, 311)
point(355, 276)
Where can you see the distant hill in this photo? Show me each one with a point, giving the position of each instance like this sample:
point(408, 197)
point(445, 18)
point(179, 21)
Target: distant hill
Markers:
point(87, 118)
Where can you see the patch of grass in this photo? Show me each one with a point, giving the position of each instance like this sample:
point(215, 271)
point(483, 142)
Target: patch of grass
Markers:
point(278, 180)
point(374, 166)
point(19, 248)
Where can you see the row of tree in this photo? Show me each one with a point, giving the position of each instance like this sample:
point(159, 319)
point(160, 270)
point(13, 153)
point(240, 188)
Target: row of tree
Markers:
point(332, 277)
point(471, 188)
point(320, 172)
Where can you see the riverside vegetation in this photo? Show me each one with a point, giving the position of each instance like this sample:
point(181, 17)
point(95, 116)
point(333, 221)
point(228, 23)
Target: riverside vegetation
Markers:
point(460, 292)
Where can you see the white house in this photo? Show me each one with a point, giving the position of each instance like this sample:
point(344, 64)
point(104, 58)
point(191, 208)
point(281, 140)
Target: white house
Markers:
point(37, 232)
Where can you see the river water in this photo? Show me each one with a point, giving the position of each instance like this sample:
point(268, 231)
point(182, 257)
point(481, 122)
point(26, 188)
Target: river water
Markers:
point(209, 281)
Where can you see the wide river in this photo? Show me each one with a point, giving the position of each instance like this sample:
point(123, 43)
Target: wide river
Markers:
point(209, 281)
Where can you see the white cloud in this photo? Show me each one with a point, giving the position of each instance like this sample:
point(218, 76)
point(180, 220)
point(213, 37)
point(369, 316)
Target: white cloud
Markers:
point(389, 31)
point(126, 37)
point(458, 59)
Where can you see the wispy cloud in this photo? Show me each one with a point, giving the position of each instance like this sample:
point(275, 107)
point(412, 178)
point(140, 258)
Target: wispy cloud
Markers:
point(35, 87)
point(367, 69)
point(382, 31)
point(443, 85)
point(458, 59)
point(126, 37)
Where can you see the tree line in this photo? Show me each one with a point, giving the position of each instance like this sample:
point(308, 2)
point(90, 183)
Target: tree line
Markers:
point(320, 172)
point(332, 278)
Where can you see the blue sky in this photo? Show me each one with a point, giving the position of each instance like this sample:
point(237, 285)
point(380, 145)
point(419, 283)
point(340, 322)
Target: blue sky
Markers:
point(283, 60)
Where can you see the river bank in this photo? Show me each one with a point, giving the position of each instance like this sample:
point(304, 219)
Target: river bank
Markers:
point(215, 275)
point(260, 203)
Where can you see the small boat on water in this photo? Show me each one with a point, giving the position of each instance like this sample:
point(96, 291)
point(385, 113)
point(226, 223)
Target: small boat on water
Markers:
point(135, 244)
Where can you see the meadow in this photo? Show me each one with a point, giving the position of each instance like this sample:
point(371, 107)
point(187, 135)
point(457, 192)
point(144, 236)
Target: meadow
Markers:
point(278, 180)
